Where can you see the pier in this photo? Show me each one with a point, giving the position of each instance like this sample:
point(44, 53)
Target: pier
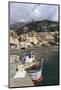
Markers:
point(21, 82)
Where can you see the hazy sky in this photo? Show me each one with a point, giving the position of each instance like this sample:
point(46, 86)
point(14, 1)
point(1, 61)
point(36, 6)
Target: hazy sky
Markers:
point(20, 12)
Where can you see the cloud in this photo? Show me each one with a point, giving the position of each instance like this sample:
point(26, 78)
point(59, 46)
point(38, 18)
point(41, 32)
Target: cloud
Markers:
point(45, 12)
point(35, 14)
point(23, 20)
point(27, 12)
point(19, 11)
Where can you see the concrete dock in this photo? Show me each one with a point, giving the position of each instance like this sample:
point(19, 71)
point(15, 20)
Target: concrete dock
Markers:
point(21, 82)
point(17, 82)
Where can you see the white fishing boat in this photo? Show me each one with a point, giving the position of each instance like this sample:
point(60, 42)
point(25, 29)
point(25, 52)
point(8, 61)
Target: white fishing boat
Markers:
point(33, 67)
point(35, 73)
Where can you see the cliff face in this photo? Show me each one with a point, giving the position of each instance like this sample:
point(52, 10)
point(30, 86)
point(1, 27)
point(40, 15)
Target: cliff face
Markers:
point(13, 38)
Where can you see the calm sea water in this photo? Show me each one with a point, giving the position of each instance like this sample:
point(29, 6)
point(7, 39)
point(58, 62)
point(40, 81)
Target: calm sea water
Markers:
point(51, 70)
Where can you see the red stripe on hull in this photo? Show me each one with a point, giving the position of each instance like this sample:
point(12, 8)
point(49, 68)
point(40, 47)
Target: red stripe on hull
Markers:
point(40, 79)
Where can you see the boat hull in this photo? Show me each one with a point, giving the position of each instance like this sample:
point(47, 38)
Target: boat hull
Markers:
point(35, 73)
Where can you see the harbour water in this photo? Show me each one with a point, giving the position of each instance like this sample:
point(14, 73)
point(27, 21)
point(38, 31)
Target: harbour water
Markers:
point(50, 70)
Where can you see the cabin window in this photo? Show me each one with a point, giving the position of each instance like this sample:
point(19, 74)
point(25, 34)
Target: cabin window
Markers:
point(29, 55)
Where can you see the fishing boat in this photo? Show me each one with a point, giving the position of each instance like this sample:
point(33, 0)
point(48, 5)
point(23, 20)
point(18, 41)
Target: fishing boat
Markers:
point(32, 66)
point(35, 72)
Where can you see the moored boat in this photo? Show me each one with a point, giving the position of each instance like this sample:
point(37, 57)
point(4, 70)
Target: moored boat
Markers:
point(32, 66)
point(35, 73)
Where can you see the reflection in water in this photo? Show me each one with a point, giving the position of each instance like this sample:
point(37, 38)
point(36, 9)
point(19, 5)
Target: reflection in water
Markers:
point(51, 70)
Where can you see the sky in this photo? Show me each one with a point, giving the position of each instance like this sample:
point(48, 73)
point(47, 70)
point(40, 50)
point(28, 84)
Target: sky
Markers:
point(22, 12)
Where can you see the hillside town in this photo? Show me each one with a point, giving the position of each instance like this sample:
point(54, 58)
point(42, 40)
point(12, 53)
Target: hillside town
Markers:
point(33, 38)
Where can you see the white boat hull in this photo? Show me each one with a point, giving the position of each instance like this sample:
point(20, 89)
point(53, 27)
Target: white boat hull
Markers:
point(35, 75)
